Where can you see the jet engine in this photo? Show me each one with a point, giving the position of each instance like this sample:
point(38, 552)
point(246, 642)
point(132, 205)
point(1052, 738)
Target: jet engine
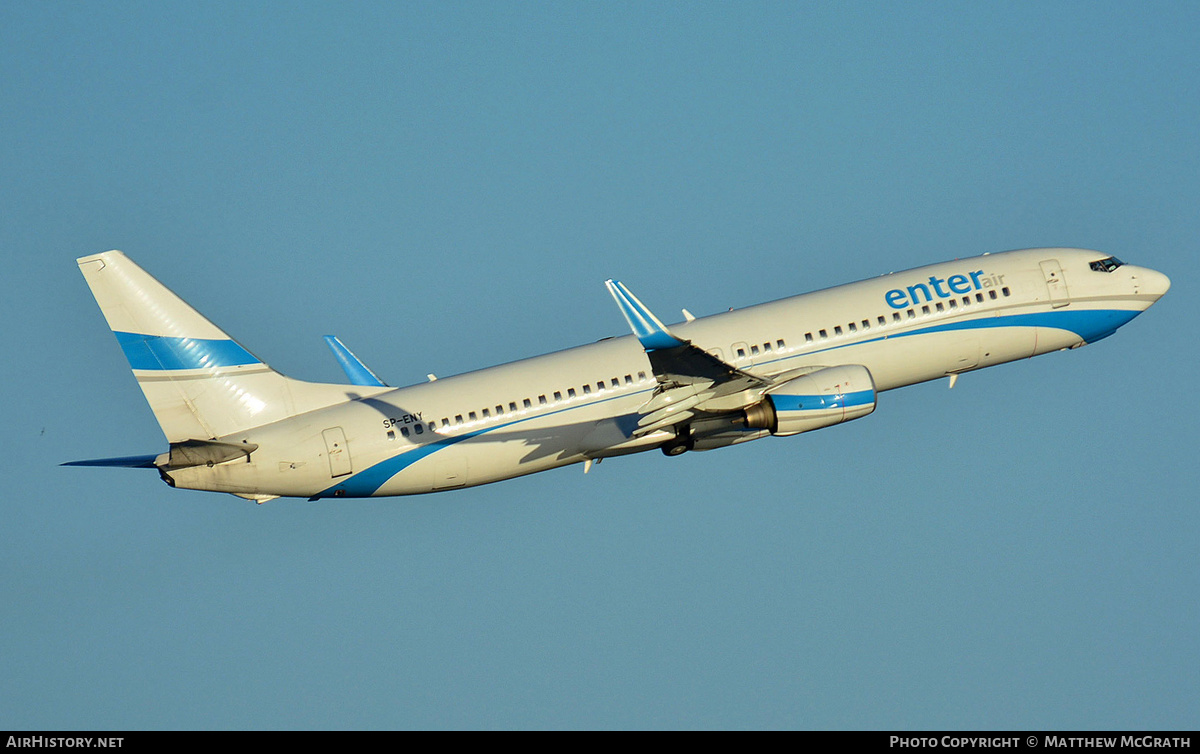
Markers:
point(818, 399)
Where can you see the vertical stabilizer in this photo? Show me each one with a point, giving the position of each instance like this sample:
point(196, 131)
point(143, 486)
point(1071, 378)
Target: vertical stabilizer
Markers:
point(199, 382)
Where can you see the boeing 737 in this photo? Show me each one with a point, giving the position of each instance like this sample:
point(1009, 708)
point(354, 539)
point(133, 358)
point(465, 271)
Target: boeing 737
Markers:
point(235, 425)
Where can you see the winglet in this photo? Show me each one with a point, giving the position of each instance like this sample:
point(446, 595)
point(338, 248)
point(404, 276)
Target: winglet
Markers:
point(351, 365)
point(652, 333)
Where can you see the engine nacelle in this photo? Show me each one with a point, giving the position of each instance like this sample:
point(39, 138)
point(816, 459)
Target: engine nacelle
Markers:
point(815, 400)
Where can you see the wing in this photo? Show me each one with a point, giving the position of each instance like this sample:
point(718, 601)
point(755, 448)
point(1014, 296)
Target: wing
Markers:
point(690, 380)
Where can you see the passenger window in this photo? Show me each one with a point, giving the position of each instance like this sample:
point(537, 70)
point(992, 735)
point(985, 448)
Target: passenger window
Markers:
point(445, 422)
point(953, 303)
point(629, 379)
point(528, 403)
point(979, 297)
point(458, 419)
point(600, 386)
point(404, 431)
point(808, 337)
point(1005, 291)
point(992, 294)
point(837, 330)
point(513, 406)
point(615, 382)
point(779, 344)
point(641, 376)
point(419, 428)
point(925, 309)
point(766, 347)
point(823, 334)
point(587, 389)
point(471, 415)
point(487, 413)
point(541, 400)
point(940, 308)
point(500, 409)
point(895, 316)
point(882, 321)
point(866, 323)
point(853, 327)
point(911, 314)
point(557, 396)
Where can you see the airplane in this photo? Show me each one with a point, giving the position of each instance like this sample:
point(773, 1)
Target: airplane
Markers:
point(781, 368)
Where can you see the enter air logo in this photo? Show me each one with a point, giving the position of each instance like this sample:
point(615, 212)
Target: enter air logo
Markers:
point(955, 285)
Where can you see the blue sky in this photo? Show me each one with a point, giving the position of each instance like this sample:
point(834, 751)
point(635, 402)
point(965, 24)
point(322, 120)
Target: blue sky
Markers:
point(446, 186)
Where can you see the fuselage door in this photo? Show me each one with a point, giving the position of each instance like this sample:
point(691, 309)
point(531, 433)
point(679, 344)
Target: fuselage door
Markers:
point(1055, 283)
point(339, 452)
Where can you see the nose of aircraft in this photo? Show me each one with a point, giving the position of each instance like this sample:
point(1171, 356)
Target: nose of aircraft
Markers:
point(1152, 282)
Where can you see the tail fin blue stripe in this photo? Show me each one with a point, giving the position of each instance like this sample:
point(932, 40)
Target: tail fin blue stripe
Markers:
point(650, 331)
point(160, 352)
point(357, 371)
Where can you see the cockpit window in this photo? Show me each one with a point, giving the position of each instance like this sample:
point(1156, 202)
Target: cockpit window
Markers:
point(1107, 265)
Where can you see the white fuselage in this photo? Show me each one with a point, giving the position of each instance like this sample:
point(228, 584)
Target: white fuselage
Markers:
point(575, 405)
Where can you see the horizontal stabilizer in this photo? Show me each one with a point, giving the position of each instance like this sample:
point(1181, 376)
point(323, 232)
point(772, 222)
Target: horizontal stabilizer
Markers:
point(125, 462)
point(181, 455)
point(206, 453)
point(357, 371)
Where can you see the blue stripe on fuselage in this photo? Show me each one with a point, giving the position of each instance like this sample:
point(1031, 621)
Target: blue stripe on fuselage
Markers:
point(1089, 324)
point(366, 482)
